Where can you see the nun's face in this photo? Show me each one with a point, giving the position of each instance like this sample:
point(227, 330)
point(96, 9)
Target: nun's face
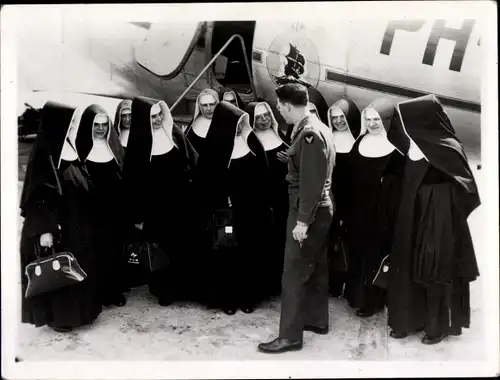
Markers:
point(101, 126)
point(339, 121)
point(207, 105)
point(373, 121)
point(126, 116)
point(157, 119)
point(263, 121)
point(229, 97)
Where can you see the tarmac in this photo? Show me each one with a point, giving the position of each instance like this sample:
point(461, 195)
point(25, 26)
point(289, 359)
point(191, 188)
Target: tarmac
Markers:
point(143, 330)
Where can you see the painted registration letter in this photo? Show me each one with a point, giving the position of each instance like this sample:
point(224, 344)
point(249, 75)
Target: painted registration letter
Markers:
point(460, 36)
point(390, 32)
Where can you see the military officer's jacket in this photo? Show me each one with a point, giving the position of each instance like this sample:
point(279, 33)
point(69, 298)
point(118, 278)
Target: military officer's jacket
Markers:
point(311, 158)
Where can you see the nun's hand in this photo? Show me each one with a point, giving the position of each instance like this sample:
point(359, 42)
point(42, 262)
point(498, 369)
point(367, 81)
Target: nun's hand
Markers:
point(282, 156)
point(46, 240)
point(139, 226)
point(300, 232)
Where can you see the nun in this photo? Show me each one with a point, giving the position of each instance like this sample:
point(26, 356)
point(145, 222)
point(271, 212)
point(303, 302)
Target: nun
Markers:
point(234, 183)
point(265, 128)
point(231, 96)
point(123, 120)
point(158, 172)
point(433, 260)
point(196, 132)
point(55, 205)
point(344, 119)
point(376, 171)
point(98, 146)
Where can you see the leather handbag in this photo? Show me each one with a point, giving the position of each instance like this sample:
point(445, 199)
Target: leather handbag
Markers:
point(53, 272)
point(381, 278)
point(150, 255)
point(223, 229)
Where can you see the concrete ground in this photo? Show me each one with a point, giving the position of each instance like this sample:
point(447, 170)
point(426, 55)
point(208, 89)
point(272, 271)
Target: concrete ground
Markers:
point(143, 330)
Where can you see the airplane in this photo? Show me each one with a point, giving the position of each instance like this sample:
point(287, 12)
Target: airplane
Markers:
point(91, 61)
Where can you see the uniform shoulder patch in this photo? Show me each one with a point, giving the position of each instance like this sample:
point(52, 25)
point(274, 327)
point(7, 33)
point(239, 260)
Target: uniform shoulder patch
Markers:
point(309, 138)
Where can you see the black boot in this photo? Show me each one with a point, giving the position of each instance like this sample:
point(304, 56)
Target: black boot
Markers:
point(428, 339)
point(365, 312)
point(119, 300)
point(398, 335)
point(164, 301)
point(61, 329)
point(229, 310)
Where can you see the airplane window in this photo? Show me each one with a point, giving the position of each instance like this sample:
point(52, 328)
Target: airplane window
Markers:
point(166, 47)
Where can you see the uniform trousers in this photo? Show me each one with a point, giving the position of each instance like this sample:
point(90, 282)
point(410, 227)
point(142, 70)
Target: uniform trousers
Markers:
point(304, 299)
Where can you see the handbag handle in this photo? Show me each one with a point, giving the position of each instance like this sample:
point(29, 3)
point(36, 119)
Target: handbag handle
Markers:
point(38, 248)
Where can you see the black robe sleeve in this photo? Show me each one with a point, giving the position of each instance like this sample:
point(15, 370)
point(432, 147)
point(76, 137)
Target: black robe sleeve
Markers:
point(40, 214)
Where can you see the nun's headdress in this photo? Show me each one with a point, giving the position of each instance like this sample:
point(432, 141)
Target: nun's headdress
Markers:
point(123, 106)
point(45, 155)
point(351, 114)
point(229, 95)
point(424, 120)
point(197, 108)
point(85, 136)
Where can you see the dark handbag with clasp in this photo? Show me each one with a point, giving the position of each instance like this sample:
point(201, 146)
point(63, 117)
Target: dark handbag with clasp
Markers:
point(151, 256)
point(381, 278)
point(53, 272)
point(222, 225)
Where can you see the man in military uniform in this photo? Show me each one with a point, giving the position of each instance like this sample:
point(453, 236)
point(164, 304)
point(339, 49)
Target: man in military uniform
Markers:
point(304, 305)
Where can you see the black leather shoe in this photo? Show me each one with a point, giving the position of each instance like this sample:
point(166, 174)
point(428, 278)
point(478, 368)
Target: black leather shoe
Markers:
point(365, 313)
point(316, 329)
point(428, 340)
point(280, 345)
point(229, 311)
point(119, 301)
point(165, 301)
point(247, 310)
point(397, 335)
point(62, 329)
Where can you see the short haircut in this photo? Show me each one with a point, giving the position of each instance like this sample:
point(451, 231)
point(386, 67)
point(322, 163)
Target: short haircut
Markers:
point(293, 93)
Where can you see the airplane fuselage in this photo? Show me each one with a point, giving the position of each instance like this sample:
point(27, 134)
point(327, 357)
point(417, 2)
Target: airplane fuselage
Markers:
point(361, 59)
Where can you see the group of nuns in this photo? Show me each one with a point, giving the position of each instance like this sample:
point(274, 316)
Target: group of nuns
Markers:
point(214, 199)
point(403, 191)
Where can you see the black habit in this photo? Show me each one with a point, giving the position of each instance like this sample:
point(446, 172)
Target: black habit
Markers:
point(433, 259)
point(56, 200)
point(278, 192)
point(237, 186)
point(160, 196)
point(375, 192)
point(199, 142)
point(104, 161)
point(341, 181)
